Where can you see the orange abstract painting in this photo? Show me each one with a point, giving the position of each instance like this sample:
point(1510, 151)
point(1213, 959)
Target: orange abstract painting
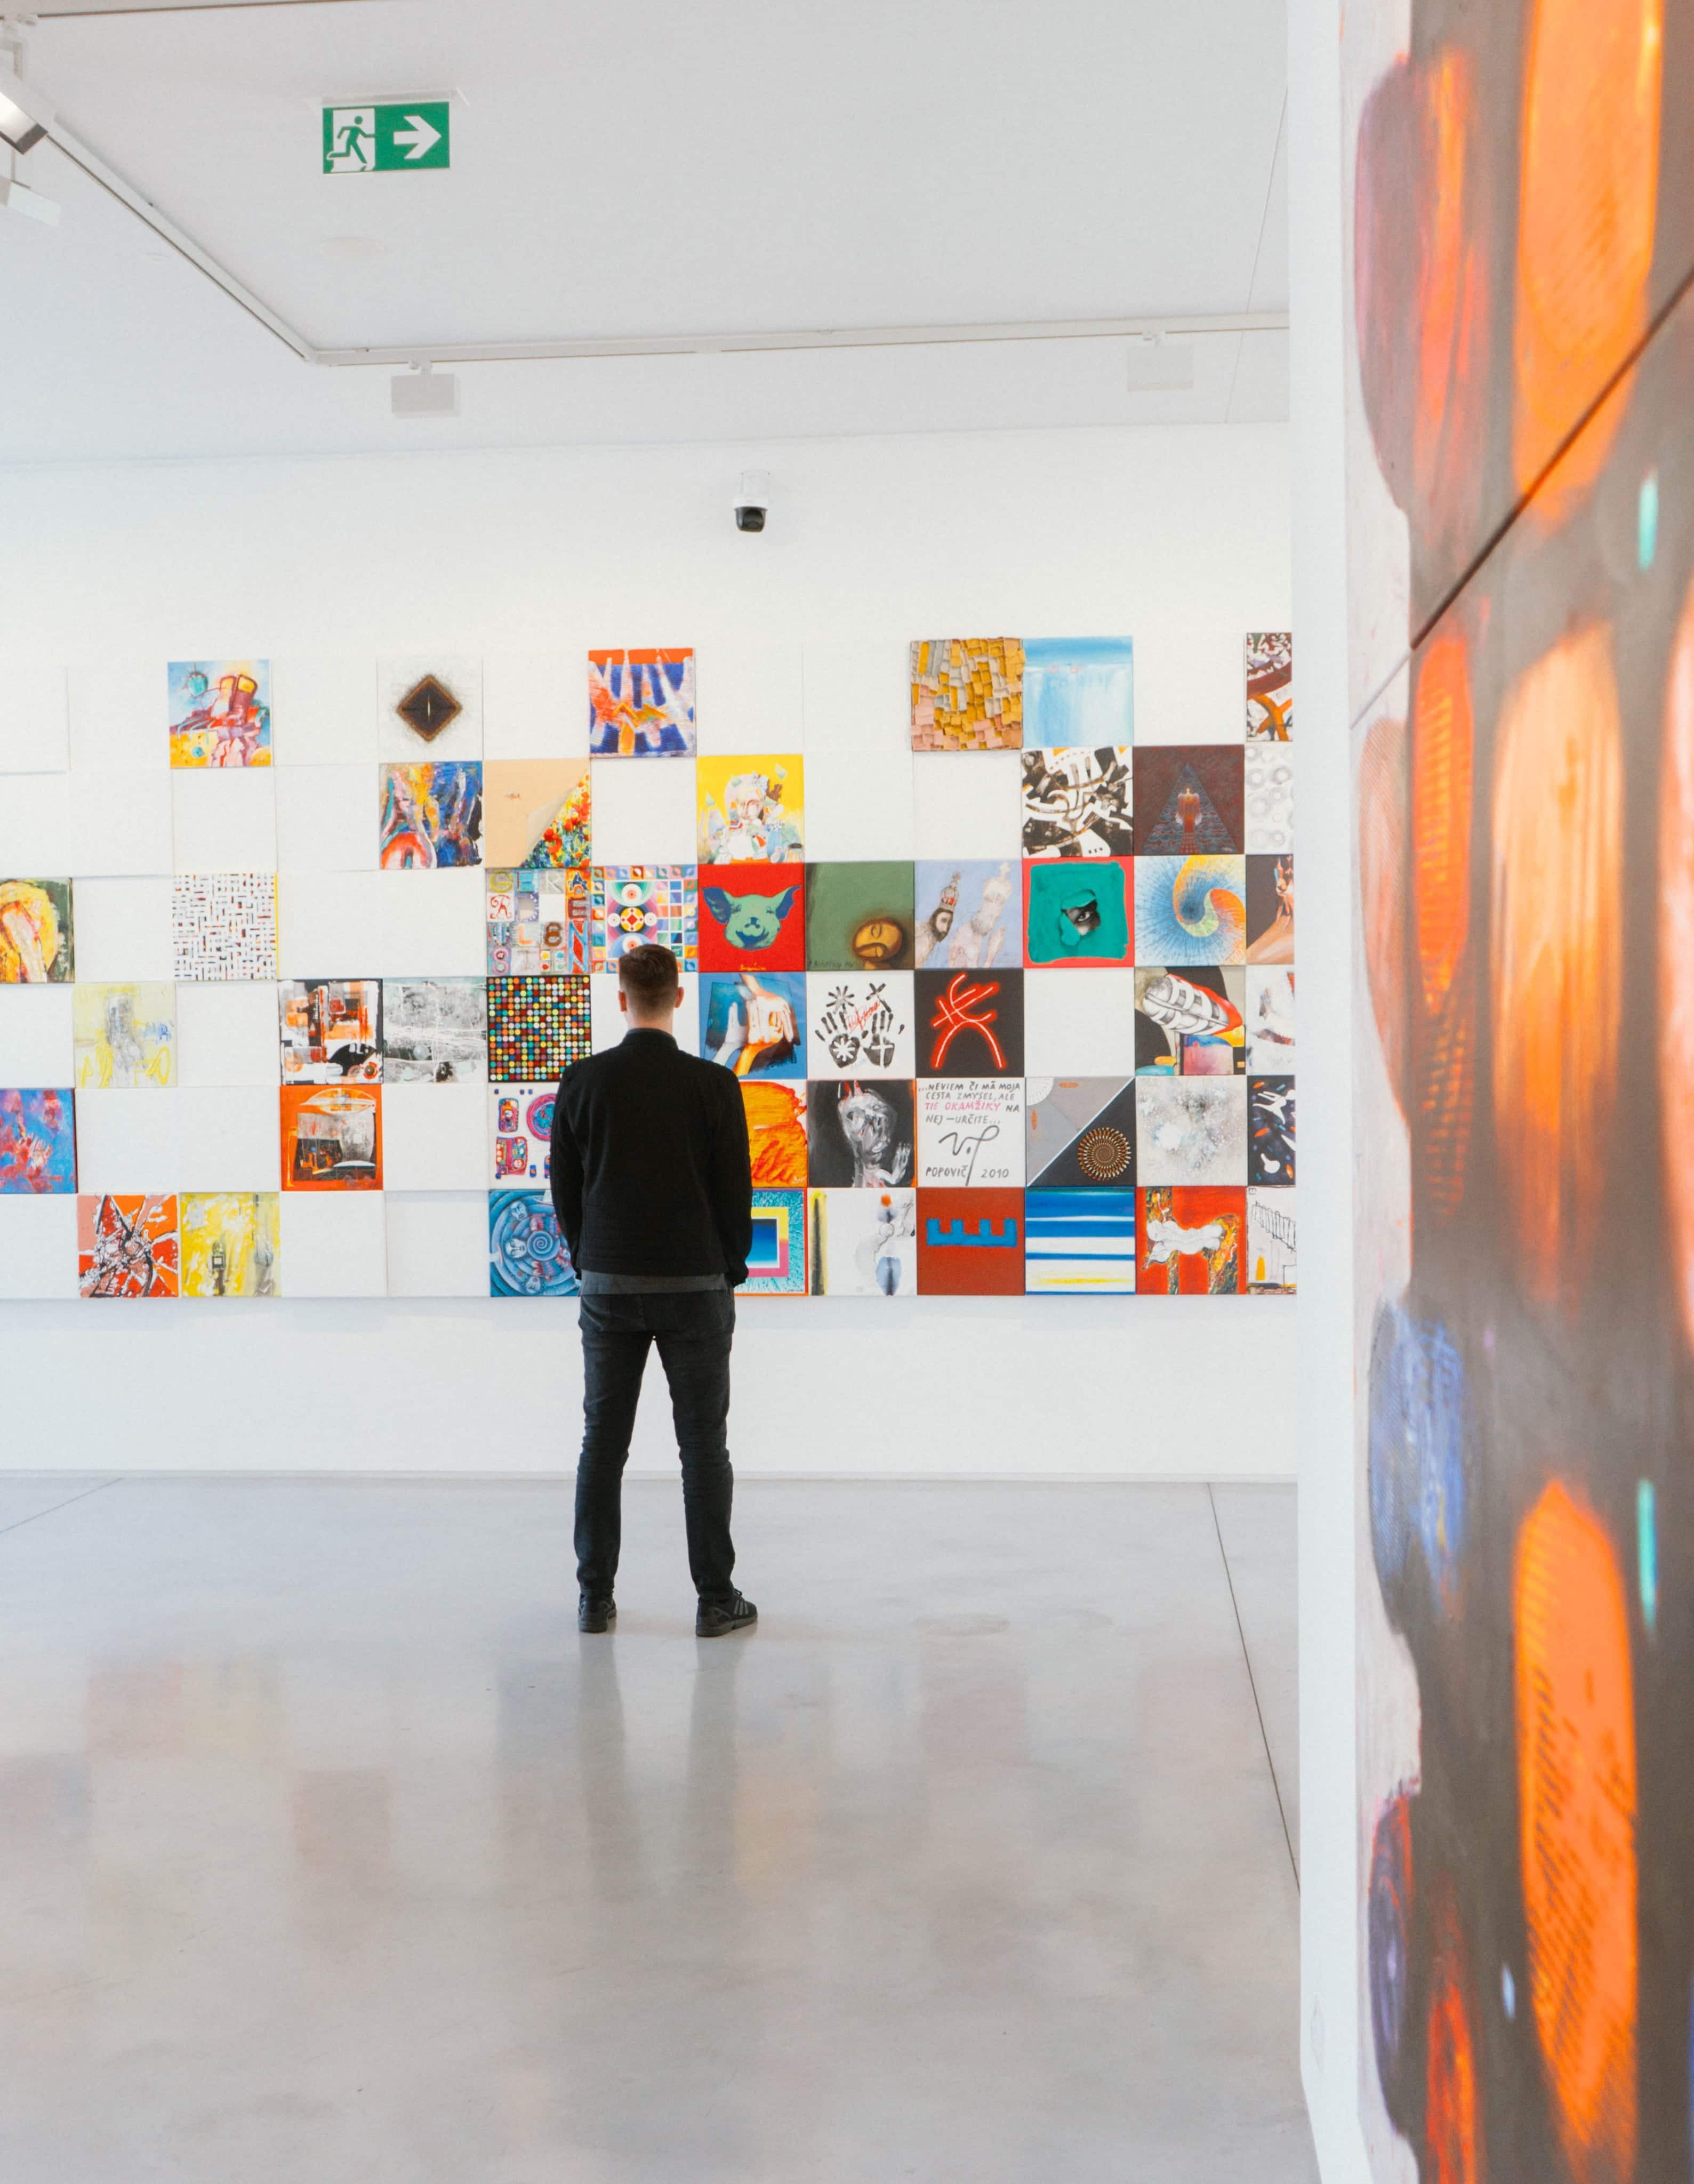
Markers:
point(1556, 912)
point(1576, 1825)
point(1587, 207)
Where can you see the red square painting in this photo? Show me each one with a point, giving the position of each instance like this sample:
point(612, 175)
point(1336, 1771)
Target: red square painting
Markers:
point(1191, 1240)
point(970, 1243)
point(753, 917)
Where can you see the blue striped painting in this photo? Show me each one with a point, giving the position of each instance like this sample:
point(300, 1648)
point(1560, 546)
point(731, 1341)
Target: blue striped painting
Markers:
point(1080, 1243)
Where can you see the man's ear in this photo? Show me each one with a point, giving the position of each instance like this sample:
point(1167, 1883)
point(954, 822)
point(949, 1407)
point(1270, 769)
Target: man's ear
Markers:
point(680, 995)
point(623, 1000)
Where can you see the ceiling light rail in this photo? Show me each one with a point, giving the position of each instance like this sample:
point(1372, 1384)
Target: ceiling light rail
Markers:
point(27, 118)
point(940, 335)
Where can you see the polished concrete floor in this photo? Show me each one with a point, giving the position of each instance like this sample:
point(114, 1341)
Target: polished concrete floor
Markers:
point(329, 1852)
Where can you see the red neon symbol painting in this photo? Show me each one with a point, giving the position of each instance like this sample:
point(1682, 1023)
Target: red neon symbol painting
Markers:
point(960, 1009)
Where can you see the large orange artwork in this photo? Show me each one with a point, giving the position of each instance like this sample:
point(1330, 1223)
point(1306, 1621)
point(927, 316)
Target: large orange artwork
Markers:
point(1557, 913)
point(1520, 611)
point(1576, 1826)
point(1588, 198)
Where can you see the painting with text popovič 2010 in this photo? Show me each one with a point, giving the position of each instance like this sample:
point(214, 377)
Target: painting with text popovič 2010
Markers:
point(1055, 1056)
point(1521, 664)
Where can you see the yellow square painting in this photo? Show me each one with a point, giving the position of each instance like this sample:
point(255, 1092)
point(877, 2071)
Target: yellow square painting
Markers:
point(751, 809)
point(968, 694)
point(230, 1242)
point(125, 1036)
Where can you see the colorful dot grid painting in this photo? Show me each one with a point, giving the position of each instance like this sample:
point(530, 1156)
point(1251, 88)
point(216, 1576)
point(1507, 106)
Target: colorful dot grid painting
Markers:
point(901, 1030)
point(537, 1027)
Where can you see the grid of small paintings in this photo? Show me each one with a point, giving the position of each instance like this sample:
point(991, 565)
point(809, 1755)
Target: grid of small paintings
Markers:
point(937, 1103)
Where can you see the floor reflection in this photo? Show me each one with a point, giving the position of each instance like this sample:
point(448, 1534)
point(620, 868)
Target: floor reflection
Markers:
point(328, 1849)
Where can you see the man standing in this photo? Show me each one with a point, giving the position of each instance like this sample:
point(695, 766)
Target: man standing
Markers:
point(652, 1183)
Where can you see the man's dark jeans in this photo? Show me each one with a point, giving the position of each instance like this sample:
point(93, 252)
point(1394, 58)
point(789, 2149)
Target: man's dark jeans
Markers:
point(693, 1330)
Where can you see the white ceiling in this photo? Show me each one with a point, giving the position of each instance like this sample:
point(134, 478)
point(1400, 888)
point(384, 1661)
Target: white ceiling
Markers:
point(655, 168)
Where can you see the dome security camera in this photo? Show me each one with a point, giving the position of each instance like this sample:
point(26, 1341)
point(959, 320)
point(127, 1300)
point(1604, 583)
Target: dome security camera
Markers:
point(753, 500)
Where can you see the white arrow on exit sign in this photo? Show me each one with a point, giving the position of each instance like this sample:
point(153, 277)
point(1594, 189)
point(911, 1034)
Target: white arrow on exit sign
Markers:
point(419, 135)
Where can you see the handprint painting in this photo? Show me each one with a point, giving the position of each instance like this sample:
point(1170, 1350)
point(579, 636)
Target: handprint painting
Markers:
point(1521, 602)
point(754, 1022)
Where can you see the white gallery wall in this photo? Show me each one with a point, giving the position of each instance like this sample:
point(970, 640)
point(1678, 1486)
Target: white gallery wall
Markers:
point(1176, 536)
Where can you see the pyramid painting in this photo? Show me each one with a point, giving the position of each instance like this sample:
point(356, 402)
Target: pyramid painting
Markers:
point(1188, 800)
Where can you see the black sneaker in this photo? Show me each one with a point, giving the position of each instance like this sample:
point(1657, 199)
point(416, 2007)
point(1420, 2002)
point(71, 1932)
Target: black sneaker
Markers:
point(595, 1614)
point(717, 1619)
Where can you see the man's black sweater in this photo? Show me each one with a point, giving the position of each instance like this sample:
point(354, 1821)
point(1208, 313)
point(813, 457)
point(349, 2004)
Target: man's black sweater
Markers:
point(650, 1169)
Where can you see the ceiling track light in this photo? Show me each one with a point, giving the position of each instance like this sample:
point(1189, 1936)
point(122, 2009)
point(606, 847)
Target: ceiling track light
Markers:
point(423, 392)
point(18, 196)
point(25, 120)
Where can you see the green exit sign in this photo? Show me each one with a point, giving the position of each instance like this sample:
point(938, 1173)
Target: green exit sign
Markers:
point(379, 140)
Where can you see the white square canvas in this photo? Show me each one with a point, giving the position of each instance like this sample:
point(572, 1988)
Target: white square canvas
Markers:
point(232, 1137)
point(334, 1244)
point(224, 819)
point(1269, 786)
point(968, 804)
point(643, 815)
point(1189, 682)
point(437, 1243)
point(123, 930)
point(119, 714)
point(1273, 1238)
point(460, 675)
point(749, 697)
point(35, 825)
point(121, 821)
point(1077, 1027)
point(971, 1132)
point(321, 713)
point(35, 715)
point(38, 1246)
point(36, 1040)
point(326, 819)
point(1270, 1020)
point(227, 1035)
point(129, 1141)
point(856, 694)
point(1190, 1130)
point(434, 1136)
point(858, 806)
point(533, 708)
point(329, 925)
point(867, 1242)
point(607, 1022)
point(860, 1024)
point(434, 925)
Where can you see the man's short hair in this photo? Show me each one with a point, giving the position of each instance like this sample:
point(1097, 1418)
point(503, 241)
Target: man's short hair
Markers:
point(648, 974)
